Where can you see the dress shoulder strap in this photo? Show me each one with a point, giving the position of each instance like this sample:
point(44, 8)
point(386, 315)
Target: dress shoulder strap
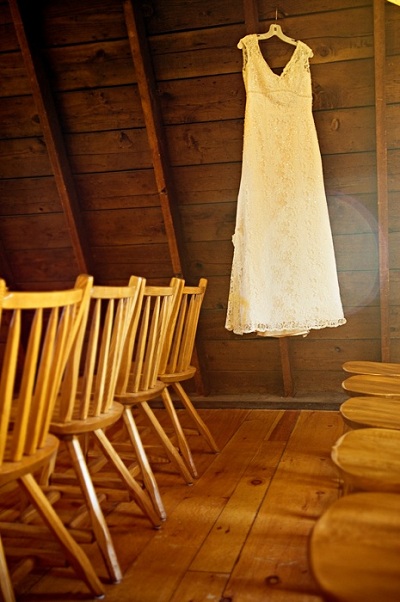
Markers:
point(307, 51)
point(246, 41)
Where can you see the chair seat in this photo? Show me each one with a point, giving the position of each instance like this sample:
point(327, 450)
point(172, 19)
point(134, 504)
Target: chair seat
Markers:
point(174, 377)
point(131, 398)
point(374, 368)
point(354, 548)
point(369, 459)
point(368, 384)
point(29, 464)
point(371, 411)
point(77, 426)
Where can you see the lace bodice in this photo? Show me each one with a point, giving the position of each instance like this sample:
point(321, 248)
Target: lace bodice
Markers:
point(259, 78)
point(283, 278)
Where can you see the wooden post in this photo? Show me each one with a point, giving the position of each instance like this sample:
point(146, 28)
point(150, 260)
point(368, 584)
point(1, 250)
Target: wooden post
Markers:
point(251, 20)
point(5, 267)
point(382, 173)
point(252, 26)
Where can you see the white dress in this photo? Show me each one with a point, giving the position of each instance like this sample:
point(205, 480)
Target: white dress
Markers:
point(284, 278)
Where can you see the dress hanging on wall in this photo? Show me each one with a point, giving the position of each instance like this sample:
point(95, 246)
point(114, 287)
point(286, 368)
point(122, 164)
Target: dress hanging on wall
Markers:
point(284, 279)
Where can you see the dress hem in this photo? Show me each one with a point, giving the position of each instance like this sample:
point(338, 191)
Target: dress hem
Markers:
point(283, 332)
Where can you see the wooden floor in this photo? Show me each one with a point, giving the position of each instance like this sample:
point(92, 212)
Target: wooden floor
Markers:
point(239, 534)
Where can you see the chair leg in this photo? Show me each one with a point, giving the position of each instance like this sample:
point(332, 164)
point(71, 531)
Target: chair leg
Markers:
point(134, 488)
point(100, 528)
point(347, 487)
point(203, 429)
point(47, 471)
point(182, 442)
point(148, 477)
point(74, 553)
point(170, 450)
point(6, 588)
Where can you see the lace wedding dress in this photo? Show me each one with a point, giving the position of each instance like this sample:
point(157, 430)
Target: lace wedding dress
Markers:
point(284, 279)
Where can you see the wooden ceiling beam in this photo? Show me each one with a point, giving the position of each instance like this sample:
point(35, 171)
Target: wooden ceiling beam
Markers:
point(53, 138)
point(155, 132)
point(142, 62)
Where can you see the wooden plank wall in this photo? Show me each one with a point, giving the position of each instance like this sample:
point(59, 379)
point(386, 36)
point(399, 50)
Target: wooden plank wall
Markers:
point(197, 69)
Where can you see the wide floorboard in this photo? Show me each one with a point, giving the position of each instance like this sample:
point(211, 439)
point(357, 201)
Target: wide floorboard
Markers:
point(239, 533)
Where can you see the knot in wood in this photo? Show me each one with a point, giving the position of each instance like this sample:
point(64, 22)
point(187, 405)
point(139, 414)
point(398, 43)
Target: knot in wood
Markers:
point(272, 580)
point(335, 124)
point(323, 51)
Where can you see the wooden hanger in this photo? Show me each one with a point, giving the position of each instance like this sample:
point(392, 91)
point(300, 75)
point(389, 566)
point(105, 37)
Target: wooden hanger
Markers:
point(276, 30)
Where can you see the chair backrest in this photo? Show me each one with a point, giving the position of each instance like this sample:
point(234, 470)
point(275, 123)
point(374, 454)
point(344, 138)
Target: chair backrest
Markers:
point(147, 334)
point(91, 376)
point(180, 351)
point(44, 325)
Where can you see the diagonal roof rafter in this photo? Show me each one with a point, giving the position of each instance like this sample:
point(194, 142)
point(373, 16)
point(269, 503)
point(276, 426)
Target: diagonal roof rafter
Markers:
point(54, 140)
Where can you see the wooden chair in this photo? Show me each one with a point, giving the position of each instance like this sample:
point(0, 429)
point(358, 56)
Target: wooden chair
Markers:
point(87, 407)
point(29, 387)
point(368, 460)
point(374, 368)
point(177, 368)
point(354, 548)
point(138, 382)
point(369, 411)
point(371, 384)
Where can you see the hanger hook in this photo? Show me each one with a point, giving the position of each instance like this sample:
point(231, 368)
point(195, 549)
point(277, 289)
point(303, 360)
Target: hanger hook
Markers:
point(276, 14)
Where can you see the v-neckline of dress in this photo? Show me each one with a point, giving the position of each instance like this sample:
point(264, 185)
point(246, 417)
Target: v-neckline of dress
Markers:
point(286, 67)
